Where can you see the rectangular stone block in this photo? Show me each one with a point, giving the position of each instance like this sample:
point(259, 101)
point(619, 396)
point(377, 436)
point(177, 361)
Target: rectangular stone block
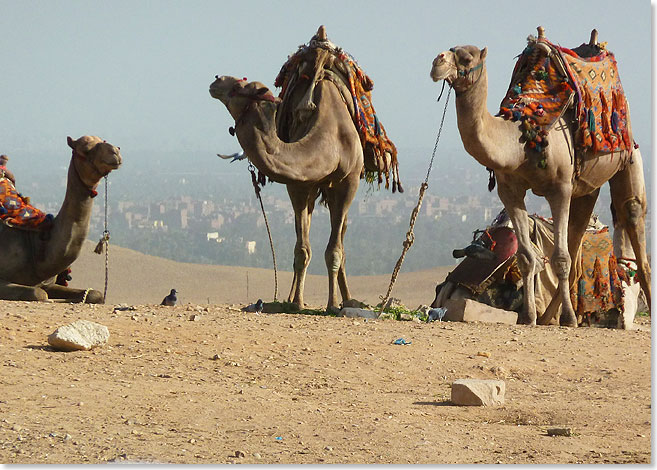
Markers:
point(467, 310)
point(478, 392)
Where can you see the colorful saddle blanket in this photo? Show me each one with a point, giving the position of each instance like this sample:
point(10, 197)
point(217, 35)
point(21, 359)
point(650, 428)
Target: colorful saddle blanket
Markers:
point(372, 134)
point(544, 85)
point(16, 212)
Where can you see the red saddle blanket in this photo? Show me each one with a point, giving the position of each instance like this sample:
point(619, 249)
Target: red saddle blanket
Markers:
point(15, 211)
point(544, 85)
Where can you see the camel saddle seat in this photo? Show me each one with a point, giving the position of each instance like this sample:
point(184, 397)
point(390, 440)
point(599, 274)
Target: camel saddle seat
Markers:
point(475, 273)
point(322, 60)
point(15, 210)
point(548, 80)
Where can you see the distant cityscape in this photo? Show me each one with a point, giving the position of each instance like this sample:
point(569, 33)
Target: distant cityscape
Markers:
point(214, 217)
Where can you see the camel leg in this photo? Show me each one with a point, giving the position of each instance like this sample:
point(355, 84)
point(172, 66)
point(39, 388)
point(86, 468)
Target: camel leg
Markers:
point(55, 291)
point(303, 203)
point(342, 274)
point(11, 291)
point(628, 198)
point(339, 200)
point(580, 214)
point(560, 207)
point(514, 203)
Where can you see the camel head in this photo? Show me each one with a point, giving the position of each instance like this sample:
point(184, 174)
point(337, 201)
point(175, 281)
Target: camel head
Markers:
point(238, 93)
point(94, 158)
point(460, 66)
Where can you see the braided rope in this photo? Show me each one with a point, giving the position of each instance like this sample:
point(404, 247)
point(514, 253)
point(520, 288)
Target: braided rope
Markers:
point(410, 236)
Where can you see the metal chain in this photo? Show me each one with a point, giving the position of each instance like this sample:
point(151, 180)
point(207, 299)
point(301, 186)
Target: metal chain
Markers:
point(257, 188)
point(410, 237)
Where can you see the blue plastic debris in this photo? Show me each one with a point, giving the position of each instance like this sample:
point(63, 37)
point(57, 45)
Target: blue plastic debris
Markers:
point(401, 341)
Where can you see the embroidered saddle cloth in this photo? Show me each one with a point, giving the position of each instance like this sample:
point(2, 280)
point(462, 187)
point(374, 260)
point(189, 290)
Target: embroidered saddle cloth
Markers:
point(548, 79)
point(16, 212)
point(342, 66)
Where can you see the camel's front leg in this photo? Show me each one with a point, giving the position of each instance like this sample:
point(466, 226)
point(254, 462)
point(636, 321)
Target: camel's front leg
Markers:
point(559, 201)
point(514, 203)
point(11, 291)
point(339, 200)
point(55, 291)
point(580, 214)
point(303, 203)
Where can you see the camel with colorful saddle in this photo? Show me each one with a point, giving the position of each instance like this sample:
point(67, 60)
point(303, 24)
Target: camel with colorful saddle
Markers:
point(319, 137)
point(563, 130)
point(37, 249)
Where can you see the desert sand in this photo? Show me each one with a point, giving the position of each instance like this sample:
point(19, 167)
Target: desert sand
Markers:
point(204, 382)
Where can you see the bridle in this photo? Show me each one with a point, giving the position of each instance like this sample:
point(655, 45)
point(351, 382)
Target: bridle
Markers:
point(466, 73)
point(238, 91)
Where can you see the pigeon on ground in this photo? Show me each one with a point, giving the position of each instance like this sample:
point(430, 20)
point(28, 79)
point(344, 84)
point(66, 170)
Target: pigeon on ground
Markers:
point(171, 299)
point(235, 156)
point(436, 314)
point(256, 307)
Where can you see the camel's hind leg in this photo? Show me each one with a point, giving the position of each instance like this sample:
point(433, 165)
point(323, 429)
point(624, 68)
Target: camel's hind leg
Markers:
point(303, 203)
point(629, 203)
point(580, 214)
point(11, 291)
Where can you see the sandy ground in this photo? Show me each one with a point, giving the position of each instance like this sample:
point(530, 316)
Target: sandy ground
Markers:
point(200, 383)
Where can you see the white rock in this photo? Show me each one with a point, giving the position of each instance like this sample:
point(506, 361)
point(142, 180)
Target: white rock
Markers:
point(81, 335)
point(351, 312)
point(478, 392)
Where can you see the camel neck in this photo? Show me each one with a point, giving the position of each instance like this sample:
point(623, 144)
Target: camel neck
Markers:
point(483, 135)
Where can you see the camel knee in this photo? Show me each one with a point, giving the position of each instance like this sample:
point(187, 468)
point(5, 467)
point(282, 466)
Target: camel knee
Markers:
point(633, 212)
point(561, 265)
point(333, 258)
point(94, 297)
point(302, 255)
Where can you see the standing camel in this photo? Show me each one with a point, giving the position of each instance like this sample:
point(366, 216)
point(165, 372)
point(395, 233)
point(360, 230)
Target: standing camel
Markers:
point(498, 144)
point(307, 141)
point(32, 260)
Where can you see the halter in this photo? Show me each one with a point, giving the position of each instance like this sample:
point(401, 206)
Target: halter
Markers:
point(239, 91)
point(465, 73)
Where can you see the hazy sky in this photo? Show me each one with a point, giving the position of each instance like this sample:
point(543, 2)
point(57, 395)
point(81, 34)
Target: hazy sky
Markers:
point(137, 72)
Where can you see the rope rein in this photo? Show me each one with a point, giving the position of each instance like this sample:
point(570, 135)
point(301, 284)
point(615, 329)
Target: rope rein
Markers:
point(256, 188)
point(103, 242)
point(410, 237)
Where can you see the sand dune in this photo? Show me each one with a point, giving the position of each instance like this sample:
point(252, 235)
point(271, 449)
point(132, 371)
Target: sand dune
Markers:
point(136, 278)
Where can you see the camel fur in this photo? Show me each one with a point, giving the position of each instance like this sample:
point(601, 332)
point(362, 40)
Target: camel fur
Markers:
point(32, 260)
point(323, 154)
point(497, 144)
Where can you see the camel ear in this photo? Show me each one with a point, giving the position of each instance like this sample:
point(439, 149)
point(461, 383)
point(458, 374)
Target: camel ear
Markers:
point(262, 90)
point(482, 53)
point(71, 142)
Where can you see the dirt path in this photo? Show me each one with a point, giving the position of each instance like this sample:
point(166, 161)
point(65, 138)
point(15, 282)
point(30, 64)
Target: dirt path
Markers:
point(237, 387)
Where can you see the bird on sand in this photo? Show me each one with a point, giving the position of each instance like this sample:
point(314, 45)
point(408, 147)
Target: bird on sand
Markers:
point(256, 307)
point(436, 314)
point(171, 299)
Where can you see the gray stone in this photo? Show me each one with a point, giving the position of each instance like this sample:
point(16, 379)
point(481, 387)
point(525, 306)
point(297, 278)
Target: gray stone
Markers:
point(351, 312)
point(478, 392)
point(81, 335)
point(467, 310)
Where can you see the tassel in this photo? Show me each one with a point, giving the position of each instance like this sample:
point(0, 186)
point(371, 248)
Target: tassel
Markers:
point(491, 180)
point(99, 246)
point(614, 121)
point(591, 120)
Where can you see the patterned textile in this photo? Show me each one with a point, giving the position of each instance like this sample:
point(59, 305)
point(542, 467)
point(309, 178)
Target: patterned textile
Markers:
point(599, 287)
point(371, 131)
point(16, 212)
point(543, 87)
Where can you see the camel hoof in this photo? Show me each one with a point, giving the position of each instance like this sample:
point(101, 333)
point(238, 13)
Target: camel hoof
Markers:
point(333, 310)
